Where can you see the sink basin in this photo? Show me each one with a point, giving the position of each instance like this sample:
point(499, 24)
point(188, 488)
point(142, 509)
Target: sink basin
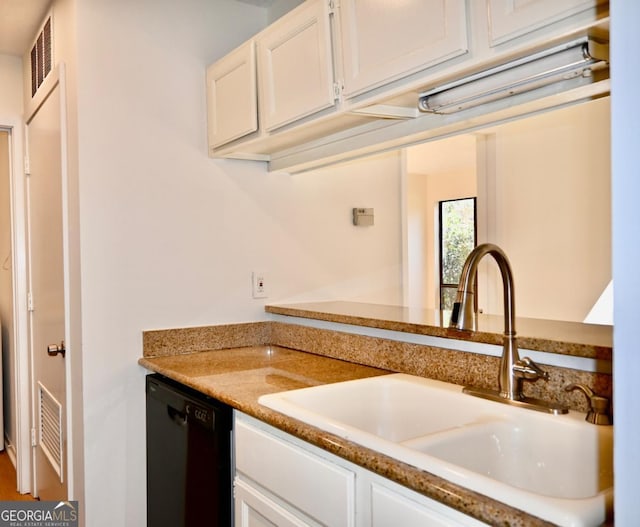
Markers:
point(391, 407)
point(524, 456)
point(557, 467)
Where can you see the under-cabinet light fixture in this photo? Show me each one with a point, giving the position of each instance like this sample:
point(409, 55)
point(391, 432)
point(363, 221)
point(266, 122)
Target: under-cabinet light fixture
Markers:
point(574, 59)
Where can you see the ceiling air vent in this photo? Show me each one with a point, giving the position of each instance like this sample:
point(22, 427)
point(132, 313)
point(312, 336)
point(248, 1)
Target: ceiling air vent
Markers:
point(41, 58)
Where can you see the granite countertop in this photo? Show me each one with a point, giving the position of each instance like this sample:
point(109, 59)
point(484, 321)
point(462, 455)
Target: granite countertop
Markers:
point(239, 376)
point(552, 336)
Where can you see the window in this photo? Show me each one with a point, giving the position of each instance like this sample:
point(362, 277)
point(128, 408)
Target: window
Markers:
point(457, 240)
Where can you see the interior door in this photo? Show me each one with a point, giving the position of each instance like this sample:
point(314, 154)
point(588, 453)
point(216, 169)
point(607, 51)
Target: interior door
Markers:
point(6, 282)
point(47, 292)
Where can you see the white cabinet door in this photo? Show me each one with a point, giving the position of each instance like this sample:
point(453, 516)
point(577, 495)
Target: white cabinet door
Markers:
point(386, 39)
point(280, 480)
point(252, 509)
point(390, 508)
point(509, 19)
point(297, 476)
point(232, 96)
point(295, 65)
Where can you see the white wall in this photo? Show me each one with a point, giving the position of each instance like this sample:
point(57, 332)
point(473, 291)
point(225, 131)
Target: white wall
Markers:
point(417, 249)
point(10, 117)
point(169, 237)
point(10, 87)
point(551, 210)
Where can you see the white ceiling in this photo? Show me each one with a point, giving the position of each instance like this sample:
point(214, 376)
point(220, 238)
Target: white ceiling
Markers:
point(19, 22)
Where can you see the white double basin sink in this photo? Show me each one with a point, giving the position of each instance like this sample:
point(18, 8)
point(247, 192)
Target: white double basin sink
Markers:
point(556, 467)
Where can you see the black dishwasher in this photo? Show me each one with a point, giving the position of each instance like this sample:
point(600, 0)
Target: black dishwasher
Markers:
point(189, 478)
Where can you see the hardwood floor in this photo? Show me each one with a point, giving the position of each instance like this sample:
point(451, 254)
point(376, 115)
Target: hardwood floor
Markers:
point(8, 481)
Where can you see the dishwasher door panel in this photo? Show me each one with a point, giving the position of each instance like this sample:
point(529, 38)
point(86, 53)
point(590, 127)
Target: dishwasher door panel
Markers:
point(188, 457)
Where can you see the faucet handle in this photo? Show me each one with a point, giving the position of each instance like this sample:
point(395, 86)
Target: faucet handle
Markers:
point(599, 406)
point(527, 369)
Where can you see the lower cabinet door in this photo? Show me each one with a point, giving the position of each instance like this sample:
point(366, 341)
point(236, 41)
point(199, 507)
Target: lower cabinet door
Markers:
point(391, 508)
point(320, 489)
point(252, 509)
point(282, 481)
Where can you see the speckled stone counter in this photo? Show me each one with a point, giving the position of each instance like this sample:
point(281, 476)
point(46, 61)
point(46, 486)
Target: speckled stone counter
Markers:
point(433, 362)
point(552, 336)
point(239, 376)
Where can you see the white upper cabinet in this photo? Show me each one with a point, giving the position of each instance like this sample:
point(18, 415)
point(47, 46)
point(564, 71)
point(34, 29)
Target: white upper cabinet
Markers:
point(295, 65)
point(383, 40)
point(509, 19)
point(331, 78)
point(232, 96)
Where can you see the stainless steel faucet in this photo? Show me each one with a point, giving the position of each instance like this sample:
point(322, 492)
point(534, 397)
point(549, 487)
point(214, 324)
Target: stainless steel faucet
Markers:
point(513, 369)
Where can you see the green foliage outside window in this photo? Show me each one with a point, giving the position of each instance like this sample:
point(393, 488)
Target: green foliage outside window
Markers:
point(457, 238)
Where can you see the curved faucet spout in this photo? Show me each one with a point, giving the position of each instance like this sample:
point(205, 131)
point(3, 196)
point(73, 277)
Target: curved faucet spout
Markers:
point(463, 315)
point(512, 369)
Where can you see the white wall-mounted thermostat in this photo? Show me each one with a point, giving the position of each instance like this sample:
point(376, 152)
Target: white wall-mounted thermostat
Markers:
point(362, 217)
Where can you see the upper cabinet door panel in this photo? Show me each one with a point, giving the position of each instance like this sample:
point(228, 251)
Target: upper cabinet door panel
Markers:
point(295, 65)
point(232, 96)
point(386, 39)
point(509, 19)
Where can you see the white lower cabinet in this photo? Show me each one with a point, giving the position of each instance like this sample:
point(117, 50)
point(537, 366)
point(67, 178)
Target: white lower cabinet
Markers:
point(316, 490)
point(253, 509)
point(283, 481)
point(393, 505)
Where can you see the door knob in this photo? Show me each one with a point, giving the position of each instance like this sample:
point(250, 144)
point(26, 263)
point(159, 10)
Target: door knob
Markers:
point(54, 349)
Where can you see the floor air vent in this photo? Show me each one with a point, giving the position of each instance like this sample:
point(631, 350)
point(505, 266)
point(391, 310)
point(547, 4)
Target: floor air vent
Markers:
point(50, 428)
